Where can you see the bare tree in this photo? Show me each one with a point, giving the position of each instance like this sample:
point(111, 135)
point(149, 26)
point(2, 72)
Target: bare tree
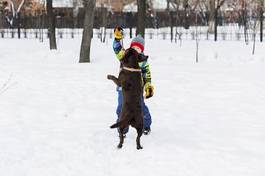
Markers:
point(244, 15)
point(170, 15)
point(254, 36)
point(186, 13)
point(89, 6)
point(104, 16)
point(15, 14)
point(153, 12)
point(211, 7)
point(76, 4)
point(1, 17)
point(217, 5)
point(202, 10)
point(214, 6)
point(197, 39)
point(257, 14)
point(141, 15)
point(261, 18)
point(51, 21)
point(18, 17)
point(189, 7)
point(173, 12)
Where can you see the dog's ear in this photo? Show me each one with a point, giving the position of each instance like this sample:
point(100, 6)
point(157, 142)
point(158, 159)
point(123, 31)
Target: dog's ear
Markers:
point(142, 58)
point(128, 53)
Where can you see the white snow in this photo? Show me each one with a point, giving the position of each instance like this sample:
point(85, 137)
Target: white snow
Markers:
point(208, 118)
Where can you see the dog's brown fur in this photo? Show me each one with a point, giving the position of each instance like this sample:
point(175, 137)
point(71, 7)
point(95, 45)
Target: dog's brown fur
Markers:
point(132, 91)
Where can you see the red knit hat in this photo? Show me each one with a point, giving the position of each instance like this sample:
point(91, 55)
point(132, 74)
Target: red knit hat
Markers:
point(138, 41)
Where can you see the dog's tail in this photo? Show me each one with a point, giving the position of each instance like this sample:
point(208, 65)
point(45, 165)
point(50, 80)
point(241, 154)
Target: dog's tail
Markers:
point(120, 123)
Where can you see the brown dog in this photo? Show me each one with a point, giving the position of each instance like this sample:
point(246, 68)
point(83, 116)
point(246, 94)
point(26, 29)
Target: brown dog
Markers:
point(130, 80)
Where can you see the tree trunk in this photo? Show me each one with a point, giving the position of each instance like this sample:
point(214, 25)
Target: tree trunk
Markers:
point(219, 4)
point(215, 23)
point(51, 29)
point(186, 12)
point(104, 24)
point(171, 25)
point(254, 37)
point(211, 16)
point(75, 13)
point(244, 17)
point(89, 6)
point(18, 24)
point(141, 15)
point(1, 20)
point(130, 23)
point(261, 19)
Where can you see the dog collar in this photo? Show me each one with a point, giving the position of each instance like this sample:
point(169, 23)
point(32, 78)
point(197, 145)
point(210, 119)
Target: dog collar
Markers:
point(132, 69)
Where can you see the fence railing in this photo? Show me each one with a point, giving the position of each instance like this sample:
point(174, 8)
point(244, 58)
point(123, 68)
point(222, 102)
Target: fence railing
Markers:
point(162, 34)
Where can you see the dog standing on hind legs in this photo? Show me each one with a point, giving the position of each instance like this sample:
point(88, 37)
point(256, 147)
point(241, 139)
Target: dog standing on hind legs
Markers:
point(131, 82)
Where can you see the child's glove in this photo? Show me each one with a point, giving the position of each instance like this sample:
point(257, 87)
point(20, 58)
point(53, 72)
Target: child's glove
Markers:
point(118, 33)
point(149, 90)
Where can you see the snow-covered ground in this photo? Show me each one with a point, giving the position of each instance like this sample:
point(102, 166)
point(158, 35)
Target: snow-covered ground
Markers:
point(208, 118)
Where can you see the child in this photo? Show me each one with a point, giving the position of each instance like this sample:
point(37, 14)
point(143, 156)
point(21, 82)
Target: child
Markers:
point(137, 44)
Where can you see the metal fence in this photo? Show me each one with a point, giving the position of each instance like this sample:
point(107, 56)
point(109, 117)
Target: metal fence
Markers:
point(162, 34)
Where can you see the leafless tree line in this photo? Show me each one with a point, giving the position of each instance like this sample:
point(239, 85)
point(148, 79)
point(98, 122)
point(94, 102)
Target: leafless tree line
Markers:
point(14, 13)
point(210, 9)
point(204, 9)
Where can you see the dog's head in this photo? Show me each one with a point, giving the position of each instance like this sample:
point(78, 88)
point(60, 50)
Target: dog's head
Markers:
point(132, 58)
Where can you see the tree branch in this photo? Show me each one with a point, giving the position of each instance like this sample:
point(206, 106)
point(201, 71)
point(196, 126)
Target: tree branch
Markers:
point(220, 3)
point(20, 6)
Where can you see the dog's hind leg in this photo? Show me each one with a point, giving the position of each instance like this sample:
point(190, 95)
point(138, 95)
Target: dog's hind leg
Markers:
point(121, 137)
point(139, 134)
